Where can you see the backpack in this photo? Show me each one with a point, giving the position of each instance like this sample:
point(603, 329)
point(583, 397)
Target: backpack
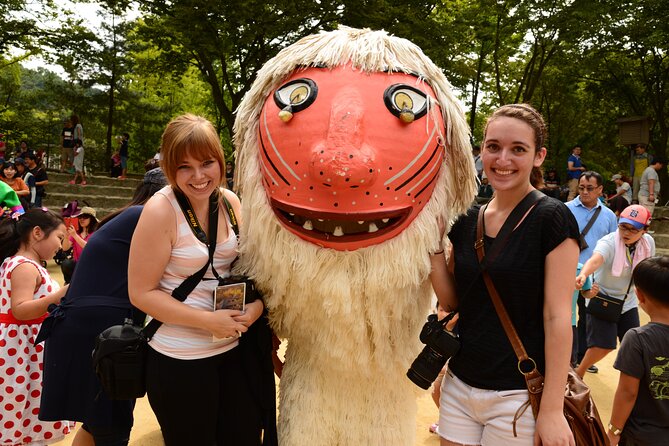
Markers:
point(70, 209)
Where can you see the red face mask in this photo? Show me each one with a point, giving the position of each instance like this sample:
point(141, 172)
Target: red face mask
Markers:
point(350, 158)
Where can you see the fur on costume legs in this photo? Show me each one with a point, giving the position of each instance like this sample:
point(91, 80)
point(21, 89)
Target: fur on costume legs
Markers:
point(350, 304)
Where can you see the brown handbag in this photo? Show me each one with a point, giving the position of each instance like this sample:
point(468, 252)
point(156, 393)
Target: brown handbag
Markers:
point(579, 408)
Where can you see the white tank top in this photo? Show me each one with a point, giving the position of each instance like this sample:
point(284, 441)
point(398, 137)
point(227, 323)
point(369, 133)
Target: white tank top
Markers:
point(189, 255)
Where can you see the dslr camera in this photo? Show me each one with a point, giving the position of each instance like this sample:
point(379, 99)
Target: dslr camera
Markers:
point(440, 345)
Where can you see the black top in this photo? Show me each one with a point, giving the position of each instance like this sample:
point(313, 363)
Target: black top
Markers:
point(644, 354)
point(40, 175)
point(123, 151)
point(96, 299)
point(68, 137)
point(486, 359)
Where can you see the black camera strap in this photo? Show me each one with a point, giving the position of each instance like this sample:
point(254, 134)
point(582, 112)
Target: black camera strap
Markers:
point(188, 285)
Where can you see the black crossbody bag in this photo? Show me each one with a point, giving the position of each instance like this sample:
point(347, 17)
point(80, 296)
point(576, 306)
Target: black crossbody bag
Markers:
point(607, 308)
point(119, 355)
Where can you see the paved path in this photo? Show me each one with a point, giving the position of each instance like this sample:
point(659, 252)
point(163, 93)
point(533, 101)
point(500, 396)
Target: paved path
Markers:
point(146, 431)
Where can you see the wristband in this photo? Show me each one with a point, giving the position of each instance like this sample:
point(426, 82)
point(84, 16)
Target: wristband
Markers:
point(614, 430)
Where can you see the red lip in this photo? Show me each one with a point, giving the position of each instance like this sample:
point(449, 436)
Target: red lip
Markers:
point(324, 225)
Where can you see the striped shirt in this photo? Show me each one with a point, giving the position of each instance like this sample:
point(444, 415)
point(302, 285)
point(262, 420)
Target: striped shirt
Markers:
point(187, 257)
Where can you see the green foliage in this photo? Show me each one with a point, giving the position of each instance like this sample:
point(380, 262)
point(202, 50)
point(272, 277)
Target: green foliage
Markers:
point(582, 63)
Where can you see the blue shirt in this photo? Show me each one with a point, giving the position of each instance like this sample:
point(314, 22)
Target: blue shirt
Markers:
point(605, 224)
point(574, 174)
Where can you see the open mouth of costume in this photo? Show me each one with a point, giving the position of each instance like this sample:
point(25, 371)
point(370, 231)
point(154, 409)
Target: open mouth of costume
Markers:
point(335, 227)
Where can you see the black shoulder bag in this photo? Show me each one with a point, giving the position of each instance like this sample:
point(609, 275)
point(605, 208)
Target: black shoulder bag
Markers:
point(607, 308)
point(119, 354)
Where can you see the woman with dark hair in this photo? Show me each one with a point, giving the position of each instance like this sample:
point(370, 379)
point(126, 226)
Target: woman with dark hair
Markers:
point(77, 239)
point(484, 394)
point(10, 176)
point(94, 302)
point(78, 132)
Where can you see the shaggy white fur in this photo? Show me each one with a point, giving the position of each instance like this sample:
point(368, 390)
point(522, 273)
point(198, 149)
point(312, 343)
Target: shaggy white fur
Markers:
point(352, 318)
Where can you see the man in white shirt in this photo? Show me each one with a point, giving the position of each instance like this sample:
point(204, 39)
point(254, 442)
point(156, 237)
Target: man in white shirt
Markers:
point(649, 189)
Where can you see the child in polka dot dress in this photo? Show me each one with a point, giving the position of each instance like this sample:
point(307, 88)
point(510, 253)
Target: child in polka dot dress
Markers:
point(26, 290)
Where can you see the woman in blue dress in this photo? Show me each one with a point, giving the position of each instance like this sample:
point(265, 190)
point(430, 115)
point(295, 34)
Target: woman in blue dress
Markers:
point(97, 299)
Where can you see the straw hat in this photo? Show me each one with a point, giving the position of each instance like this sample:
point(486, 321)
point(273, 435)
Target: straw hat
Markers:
point(87, 210)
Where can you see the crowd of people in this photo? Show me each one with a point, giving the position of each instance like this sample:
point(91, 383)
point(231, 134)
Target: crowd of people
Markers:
point(548, 261)
point(27, 176)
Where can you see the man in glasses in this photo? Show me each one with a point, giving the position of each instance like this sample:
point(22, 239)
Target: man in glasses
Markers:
point(594, 221)
point(612, 262)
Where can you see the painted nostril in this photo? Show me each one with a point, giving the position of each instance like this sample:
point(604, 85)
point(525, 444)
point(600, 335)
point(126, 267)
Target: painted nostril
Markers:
point(343, 169)
point(343, 159)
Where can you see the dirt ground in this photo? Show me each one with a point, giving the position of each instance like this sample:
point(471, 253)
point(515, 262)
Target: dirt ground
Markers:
point(146, 431)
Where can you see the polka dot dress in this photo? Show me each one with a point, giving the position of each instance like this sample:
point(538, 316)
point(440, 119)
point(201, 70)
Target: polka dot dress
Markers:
point(21, 370)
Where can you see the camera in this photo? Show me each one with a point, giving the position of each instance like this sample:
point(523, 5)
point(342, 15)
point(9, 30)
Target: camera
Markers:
point(440, 345)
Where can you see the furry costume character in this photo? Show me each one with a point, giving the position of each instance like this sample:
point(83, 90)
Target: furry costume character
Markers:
point(350, 145)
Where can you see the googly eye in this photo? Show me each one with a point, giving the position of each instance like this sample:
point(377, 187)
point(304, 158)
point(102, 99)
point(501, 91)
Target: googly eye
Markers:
point(296, 95)
point(406, 102)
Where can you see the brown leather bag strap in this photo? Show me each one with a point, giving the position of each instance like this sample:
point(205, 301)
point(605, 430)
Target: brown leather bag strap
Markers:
point(533, 378)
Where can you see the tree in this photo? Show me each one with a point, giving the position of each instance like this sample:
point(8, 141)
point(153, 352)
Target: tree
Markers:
point(19, 28)
point(630, 65)
point(229, 41)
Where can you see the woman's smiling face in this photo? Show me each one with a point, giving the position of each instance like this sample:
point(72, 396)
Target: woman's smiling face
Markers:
point(198, 178)
point(509, 154)
point(9, 172)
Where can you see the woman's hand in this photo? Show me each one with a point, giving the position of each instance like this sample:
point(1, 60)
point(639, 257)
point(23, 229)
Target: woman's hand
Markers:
point(592, 292)
point(71, 231)
point(613, 439)
point(222, 323)
point(552, 429)
point(252, 311)
point(580, 281)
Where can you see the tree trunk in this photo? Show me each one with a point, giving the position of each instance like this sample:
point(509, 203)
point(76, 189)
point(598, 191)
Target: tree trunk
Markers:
point(476, 86)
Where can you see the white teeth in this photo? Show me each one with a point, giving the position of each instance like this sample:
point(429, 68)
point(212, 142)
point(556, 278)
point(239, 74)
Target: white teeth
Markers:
point(372, 228)
point(199, 186)
point(385, 220)
point(361, 222)
point(291, 214)
point(320, 219)
point(307, 225)
point(338, 232)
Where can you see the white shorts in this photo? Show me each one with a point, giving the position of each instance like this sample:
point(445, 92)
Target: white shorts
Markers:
point(472, 416)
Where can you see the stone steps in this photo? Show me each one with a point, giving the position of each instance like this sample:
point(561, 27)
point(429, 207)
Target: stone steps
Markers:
point(102, 193)
point(98, 180)
point(90, 188)
point(659, 227)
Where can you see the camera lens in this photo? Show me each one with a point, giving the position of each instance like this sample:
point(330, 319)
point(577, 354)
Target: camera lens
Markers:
point(426, 367)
